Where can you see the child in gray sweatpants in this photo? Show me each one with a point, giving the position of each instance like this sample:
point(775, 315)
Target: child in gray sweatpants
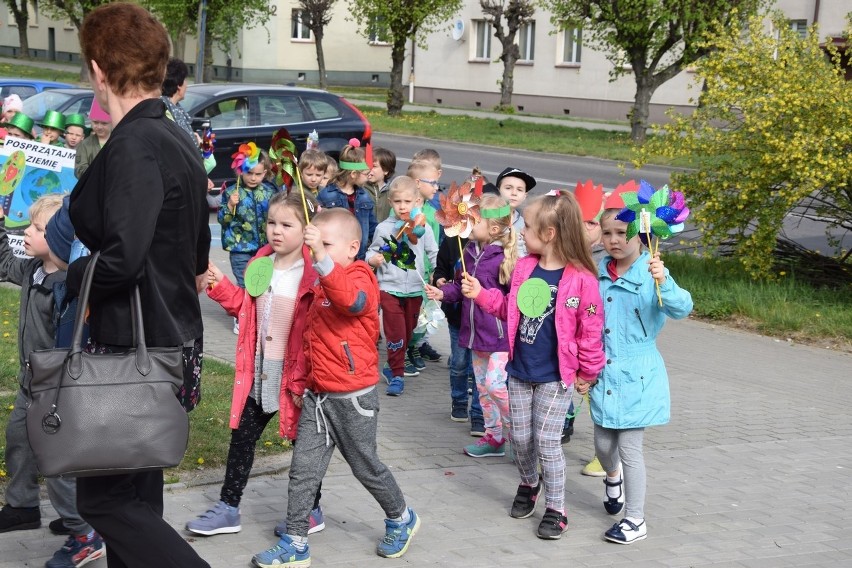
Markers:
point(340, 405)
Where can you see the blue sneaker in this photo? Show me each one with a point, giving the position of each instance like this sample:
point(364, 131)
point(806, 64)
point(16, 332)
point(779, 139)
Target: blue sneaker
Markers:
point(283, 555)
point(387, 374)
point(395, 387)
point(410, 369)
point(316, 523)
point(221, 519)
point(398, 536)
point(78, 551)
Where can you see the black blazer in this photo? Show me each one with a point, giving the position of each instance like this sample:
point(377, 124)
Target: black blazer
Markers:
point(142, 204)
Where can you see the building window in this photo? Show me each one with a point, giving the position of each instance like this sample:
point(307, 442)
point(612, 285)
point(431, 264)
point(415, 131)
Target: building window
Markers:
point(483, 39)
point(572, 47)
point(379, 31)
point(526, 41)
point(299, 30)
point(800, 27)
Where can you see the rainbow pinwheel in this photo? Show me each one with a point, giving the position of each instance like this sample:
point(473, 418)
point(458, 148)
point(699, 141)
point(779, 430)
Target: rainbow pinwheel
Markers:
point(208, 143)
point(410, 226)
point(282, 153)
point(398, 253)
point(649, 212)
point(246, 157)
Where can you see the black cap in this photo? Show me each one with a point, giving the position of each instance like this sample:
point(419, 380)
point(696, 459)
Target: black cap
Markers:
point(515, 172)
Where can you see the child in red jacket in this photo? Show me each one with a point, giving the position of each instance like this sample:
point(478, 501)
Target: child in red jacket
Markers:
point(270, 373)
point(340, 405)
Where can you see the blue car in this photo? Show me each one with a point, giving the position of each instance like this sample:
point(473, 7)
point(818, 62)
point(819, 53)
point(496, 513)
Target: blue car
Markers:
point(25, 88)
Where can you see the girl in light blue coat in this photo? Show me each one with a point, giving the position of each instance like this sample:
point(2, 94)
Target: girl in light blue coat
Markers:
point(632, 391)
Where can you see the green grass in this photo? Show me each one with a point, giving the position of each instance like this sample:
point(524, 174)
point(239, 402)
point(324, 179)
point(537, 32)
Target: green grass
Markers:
point(209, 432)
point(25, 71)
point(784, 307)
point(508, 133)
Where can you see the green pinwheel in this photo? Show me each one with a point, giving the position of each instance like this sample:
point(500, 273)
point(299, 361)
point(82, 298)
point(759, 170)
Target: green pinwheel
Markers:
point(282, 154)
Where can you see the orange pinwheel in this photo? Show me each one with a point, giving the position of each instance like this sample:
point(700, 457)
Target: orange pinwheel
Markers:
point(459, 210)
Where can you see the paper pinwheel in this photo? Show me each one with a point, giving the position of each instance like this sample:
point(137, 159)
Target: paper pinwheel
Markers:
point(410, 226)
point(430, 318)
point(246, 157)
point(282, 154)
point(208, 143)
point(398, 253)
point(648, 212)
point(459, 210)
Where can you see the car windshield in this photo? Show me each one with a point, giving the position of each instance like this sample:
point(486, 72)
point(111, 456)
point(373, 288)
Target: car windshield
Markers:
point(37, 105)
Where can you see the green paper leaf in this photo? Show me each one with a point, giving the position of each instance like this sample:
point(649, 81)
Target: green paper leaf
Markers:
point(533, 297)
point(660, 228)
point(258, 276)
point(632, 229)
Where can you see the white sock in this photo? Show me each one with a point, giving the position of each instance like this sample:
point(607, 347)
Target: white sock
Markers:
point(300, 543)
point(613, 492)
point(405, 518)
point(635, 521)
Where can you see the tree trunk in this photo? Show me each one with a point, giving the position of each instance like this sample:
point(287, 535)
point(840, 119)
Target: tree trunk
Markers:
point(639, 114)
point(395, 98)
point(179, 45)
point(507, 84)
point(323, 80)
point(22, 21)
point(208, 57)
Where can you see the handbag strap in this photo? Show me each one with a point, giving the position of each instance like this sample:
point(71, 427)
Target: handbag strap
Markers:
point(75, 361)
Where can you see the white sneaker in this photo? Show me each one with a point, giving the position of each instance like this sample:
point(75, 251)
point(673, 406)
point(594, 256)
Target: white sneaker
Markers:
point(627, 532)
point(236, 326)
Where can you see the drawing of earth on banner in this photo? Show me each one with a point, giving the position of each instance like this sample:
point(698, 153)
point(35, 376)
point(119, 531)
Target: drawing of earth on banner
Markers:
point(28, 170)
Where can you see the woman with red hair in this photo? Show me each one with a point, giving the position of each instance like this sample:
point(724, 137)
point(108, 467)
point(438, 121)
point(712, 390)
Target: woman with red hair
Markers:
point(141, 204)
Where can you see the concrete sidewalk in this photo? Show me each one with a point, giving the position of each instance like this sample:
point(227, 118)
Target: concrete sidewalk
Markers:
point(754, 470)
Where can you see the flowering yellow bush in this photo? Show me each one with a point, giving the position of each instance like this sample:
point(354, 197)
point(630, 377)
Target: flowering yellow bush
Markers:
point(773, 132)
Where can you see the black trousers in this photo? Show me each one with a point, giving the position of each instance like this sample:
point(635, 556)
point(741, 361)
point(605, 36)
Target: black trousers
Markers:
point(127, 511)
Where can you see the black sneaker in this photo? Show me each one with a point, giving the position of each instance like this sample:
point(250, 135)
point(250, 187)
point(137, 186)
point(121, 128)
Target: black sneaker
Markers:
point(552, 525)
point(428, 353)
point(57, 526)
point(415, 359)
point(477, 428)
point(459, 414)
point(525, 501)
point(19, 518)
point(567, 431)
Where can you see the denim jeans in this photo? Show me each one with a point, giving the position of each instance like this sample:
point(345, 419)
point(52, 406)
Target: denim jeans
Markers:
point(461, 370)
point(239, 261)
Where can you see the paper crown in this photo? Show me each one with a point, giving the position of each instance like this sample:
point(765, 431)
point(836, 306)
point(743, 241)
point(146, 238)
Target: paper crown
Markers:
point(53, 119)
point(590, 199)
point(615, 200)
point(97, 113)
point(22, 122)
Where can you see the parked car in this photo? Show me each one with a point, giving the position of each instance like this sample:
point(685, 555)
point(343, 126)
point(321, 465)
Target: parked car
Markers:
point(66, 101)
point(25, 88)
point(240, 113)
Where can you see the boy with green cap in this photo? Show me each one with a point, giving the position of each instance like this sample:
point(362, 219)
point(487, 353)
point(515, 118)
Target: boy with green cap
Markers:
point(75, 129)
point(53, 126)
point(20, 126)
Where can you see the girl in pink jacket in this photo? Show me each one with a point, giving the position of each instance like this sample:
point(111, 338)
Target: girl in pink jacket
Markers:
point(271, 368)
point(554, 317)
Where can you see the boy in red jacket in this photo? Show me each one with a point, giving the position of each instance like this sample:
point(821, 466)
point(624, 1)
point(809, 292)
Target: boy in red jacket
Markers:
point(340, 405)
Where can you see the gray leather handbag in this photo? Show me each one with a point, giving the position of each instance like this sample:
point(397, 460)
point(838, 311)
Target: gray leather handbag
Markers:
point(105, 414)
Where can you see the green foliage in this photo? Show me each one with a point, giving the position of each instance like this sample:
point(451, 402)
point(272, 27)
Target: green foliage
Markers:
point(653, 39)
point(398, 21)
point(773, 133)
point(722, 290)
point(73, 10)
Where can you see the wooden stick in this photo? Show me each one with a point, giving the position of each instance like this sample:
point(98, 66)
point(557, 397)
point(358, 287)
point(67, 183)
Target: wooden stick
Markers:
point(461, 251)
